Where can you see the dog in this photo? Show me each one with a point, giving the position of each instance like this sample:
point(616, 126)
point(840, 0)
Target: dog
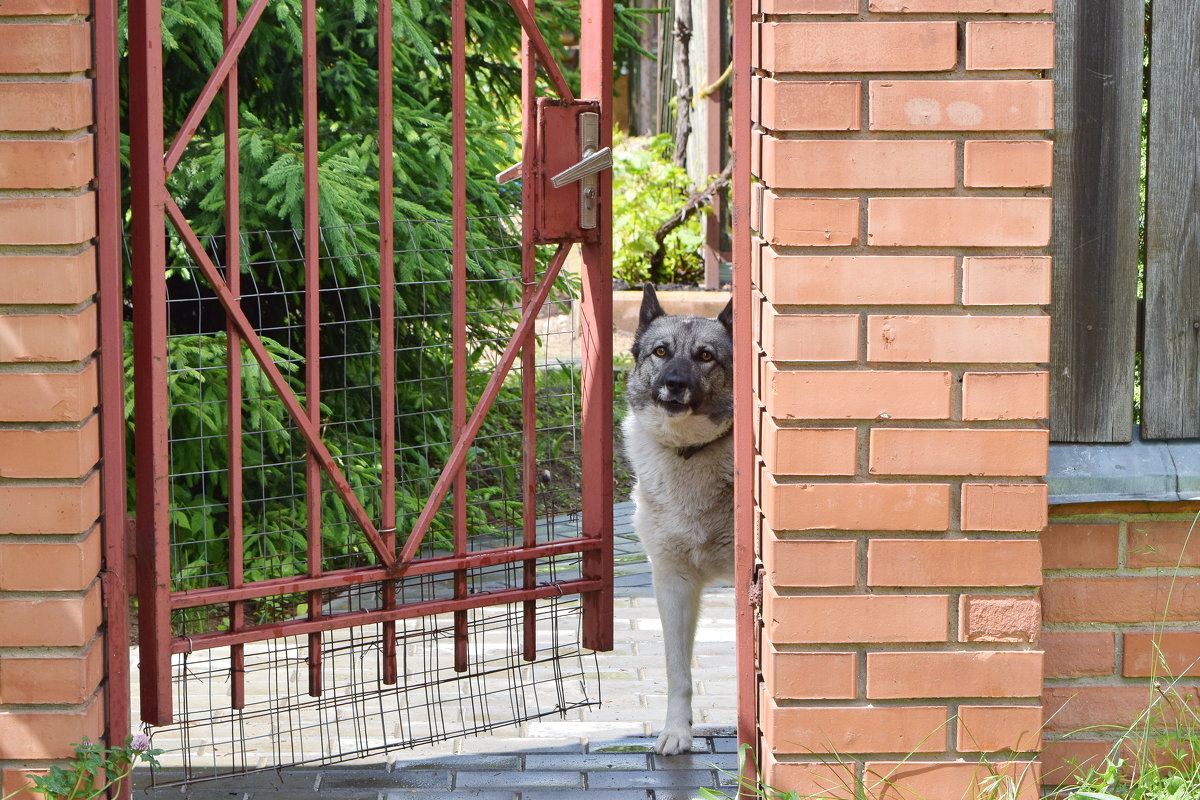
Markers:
point(677, 438)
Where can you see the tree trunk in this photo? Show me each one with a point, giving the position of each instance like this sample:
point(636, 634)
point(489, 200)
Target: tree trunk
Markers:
point(683, 79)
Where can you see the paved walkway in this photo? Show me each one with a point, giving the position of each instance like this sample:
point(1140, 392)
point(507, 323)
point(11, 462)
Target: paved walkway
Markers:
point(602, 753)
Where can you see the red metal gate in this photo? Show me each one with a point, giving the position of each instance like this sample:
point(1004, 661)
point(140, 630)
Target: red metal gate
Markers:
point(559, 208)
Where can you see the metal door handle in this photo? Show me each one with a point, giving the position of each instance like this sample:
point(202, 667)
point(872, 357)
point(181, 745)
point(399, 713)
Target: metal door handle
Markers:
point(590, 165)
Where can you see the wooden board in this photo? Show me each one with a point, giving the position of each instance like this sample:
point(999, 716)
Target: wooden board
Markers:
point(1096, 213)
point(1171, 374)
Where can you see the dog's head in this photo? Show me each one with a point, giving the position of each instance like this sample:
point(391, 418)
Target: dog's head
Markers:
point(683, 364)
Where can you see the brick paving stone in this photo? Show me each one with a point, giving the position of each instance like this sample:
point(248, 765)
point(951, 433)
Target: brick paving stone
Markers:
point(518, 780)
point(332, 780)
point(588, 794)
point(470, 762)
point(674, 794)
point(725, 761)
point(424, 794)
point(629, 744)
point(677, 778)
point(588, 761)
point(725, 744)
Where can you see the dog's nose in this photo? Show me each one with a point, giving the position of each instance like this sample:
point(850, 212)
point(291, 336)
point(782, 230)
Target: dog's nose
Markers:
point(675, 383)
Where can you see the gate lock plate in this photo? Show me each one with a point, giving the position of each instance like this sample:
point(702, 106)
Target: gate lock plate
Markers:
point(563, 187)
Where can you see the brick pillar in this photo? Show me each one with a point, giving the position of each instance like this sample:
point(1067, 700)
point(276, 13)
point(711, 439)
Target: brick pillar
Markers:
point(902, 217)
point(51, 652)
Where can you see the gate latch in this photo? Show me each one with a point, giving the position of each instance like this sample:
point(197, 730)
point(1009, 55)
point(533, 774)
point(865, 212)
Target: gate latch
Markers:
point(566, 150)
point(586, 171)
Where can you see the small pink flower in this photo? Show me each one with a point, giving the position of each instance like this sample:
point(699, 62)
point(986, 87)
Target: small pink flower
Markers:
point(140, 742)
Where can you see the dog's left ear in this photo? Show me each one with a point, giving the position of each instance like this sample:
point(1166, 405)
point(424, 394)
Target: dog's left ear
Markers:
point(726, 317)
point(650, 311)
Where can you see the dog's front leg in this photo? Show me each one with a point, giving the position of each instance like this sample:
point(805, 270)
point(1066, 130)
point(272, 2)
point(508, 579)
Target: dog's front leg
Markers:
point(678, 607)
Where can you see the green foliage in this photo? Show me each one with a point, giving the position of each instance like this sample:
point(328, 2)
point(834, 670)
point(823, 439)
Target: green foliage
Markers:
point(94, 770)
point(647, 189)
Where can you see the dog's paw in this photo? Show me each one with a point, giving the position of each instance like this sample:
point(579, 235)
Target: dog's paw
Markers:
point(674, 740)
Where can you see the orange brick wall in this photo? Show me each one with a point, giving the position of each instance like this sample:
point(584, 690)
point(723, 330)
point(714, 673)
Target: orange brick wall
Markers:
point(51, 651)
point(1122, 585)
point(901, 211)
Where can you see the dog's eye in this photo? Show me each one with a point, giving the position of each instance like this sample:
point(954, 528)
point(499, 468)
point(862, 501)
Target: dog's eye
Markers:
point(705, 355)
point(660, 351)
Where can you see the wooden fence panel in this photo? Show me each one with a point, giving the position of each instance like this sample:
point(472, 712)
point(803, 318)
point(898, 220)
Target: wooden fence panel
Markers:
point(1171, 360)
point(1096, 214)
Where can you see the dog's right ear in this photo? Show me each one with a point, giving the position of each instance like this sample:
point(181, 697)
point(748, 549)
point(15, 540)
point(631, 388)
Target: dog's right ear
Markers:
point(651, 310)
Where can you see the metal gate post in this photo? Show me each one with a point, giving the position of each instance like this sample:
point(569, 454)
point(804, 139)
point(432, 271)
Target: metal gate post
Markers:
point(596, 60)
point(147, 195)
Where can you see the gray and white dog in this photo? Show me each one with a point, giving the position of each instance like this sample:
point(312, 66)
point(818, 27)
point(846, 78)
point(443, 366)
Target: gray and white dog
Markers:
point(678, 441)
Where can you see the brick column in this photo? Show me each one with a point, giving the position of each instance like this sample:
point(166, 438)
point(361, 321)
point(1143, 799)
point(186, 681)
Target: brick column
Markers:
point(51, 652)
point(901, 151)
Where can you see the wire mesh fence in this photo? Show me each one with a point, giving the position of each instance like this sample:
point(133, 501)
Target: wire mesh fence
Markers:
point(356, 713)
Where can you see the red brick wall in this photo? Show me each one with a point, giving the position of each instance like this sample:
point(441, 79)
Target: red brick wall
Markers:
point(1120, 587)
point(51, 652)
point(902, 216)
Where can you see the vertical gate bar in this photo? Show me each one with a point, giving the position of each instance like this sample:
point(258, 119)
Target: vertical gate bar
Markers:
point(458, 73)
point(110, 280)
point(528, 352)
point(233, 277)
point(596, 66)
point(387, 327)
point(744, 361)
point(147, 191)
point(312, 331)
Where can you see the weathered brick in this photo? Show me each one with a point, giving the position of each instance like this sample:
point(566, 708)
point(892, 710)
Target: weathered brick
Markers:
point(50, 566)
point(37, 509)
point(49, 734)
point(988, 673)
point(1071, 760)
point(1004, 507)
point(948, 781)
point(858, 46)
point(987, 729)
point(45, 164)
point(857, 280)
point(809, 6)
point(848, 619)
point(40, 47)
point(17, 784)
point(810, 221)
point(48, 337)
point(996, 618)
point(1006, 395)
point(54, 453)
point(808, 451)
point(809, 337)
point(832, 781)
point(1010, 45)
point(944, 105)
point(857, 506)
point(1162, 544)
point(963, 6)
point(1068, 545)
point(53, 106)
point(810, 676)
point(49, 620)
point(47, 220)
point(810, 105)
point(810, 562)
point(958, 221)
point(858, 164)
point(48, 396)
point(817, 729)
point(1161, 655)
point(64, 680)
point(1012, 164)
point(1076, 708)
point(933, 338)
point(32, 8)
point(954, 562)
point(1121, 600)
point(49, 279)
point(992, 281)
point(960, 451)
point(857, 394)
point(1076, 655)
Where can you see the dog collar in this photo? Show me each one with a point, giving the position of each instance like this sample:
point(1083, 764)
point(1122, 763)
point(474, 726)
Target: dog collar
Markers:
point(691, 450)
